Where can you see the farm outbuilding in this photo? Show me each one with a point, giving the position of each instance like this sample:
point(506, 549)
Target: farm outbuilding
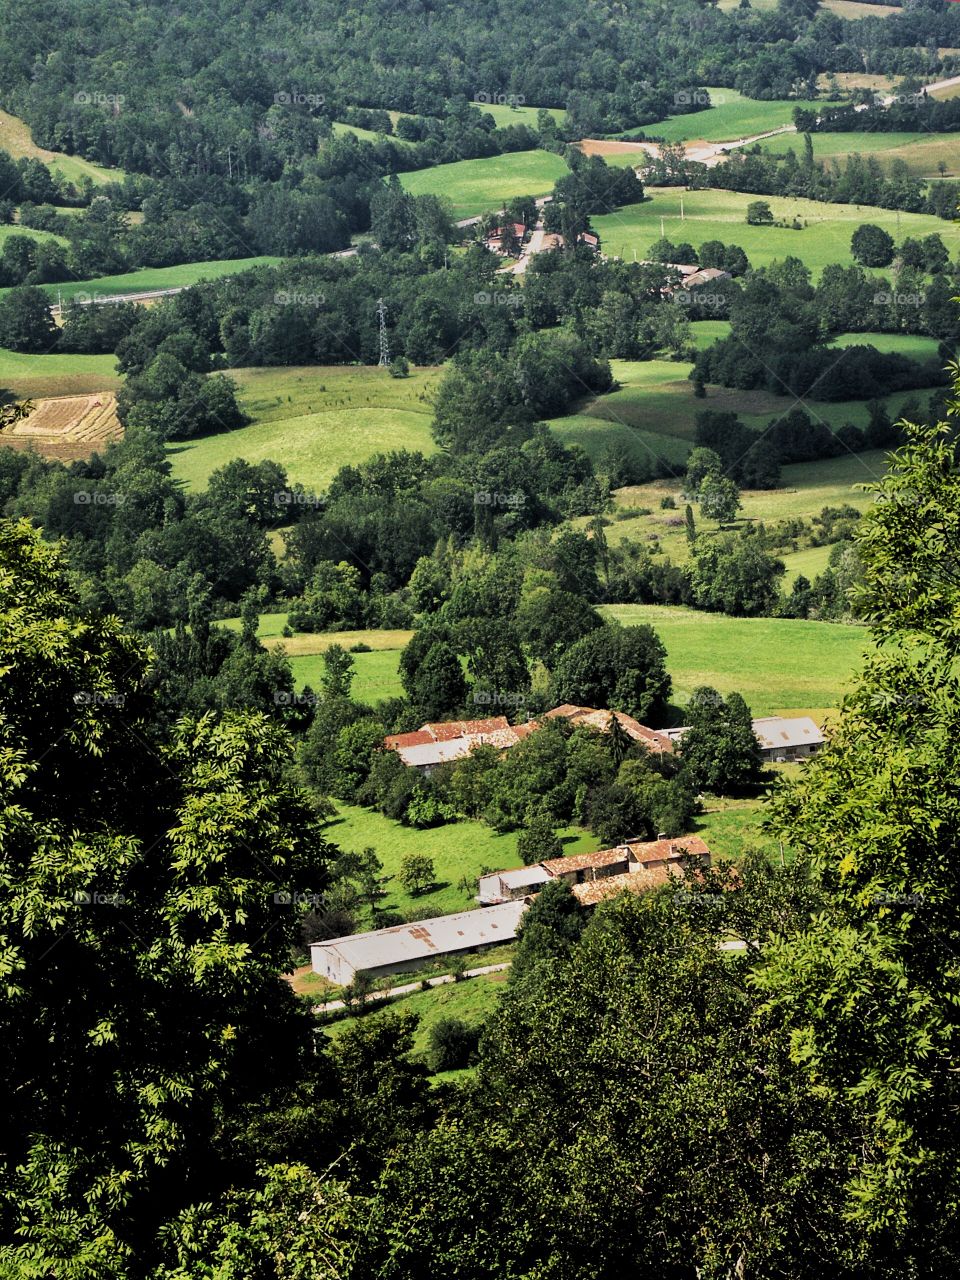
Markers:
point(408, 946)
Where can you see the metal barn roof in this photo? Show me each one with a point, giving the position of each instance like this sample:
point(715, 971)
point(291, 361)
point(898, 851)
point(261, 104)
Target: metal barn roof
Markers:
point(424, 938)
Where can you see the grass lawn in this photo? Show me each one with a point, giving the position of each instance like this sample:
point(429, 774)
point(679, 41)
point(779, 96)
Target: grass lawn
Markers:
point(29, 376)
point(368, 135)
point(921, 151)
point(721, 215)
point(315, 419)
point(476, 186)
point(778, 664)
point(459, 850)
point(728, 825)
point(271, 627)
point(732, 116)
point(147, 278)
point(850, 9)
point(16, 140)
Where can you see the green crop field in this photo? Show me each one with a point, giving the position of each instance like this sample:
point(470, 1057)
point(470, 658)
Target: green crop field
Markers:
point(147, 278)
point(721, 215)
point(315, 419)
point(30, 377)
point(778, 664)
point(16, 140)
point(921, 152)
point(460, 850)
point(476, 186)
point(731, 117)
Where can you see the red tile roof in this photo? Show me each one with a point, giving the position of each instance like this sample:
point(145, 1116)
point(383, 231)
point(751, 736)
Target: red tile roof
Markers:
point(599, 719)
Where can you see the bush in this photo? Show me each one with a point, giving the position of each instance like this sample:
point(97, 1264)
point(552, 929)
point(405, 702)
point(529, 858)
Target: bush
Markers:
point(452, 1044)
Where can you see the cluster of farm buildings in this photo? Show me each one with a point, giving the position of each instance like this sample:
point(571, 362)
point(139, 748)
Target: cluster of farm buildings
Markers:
point(781, 738)
point(635, 866)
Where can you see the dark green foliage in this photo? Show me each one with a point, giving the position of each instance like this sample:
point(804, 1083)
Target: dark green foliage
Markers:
point(538, 841)
point(616, 668)
point(719, 751)
point(452, 1044)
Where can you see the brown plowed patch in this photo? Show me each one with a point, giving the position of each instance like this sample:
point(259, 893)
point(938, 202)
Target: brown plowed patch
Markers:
point(67, 428)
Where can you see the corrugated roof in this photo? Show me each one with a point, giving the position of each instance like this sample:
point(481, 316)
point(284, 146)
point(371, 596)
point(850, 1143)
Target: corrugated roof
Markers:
point(787, 731)
point(437, 936)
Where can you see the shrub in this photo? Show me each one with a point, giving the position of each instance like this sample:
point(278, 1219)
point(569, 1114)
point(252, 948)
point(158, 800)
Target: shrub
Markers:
point(452, 1044)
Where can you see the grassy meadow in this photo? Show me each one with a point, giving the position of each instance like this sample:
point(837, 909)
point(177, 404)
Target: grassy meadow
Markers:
point(778, 664)
point(460, 850)
point(16, 140)
point(732, 116)
point(921, 152)
point(653, 411)
point(721, 215)
point(315, 419)
point(476, 186)
point(148, 278)
point(34, 376)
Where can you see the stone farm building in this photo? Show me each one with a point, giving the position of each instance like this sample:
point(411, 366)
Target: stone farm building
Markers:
point(436, 743)
point(650, 862)
point(636, 868)
point(781, 738)
point(439, 742)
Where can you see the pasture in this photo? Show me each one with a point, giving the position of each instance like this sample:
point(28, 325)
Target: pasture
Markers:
point(477, 186)
point(28, 377)
point(461, 851)
point(505, 115)
point(15, 139)
point(778, 664)
point(823, 238)
point(15, 229)
point(314, 420)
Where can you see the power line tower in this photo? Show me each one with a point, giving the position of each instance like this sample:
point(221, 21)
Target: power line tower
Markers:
point(384, 342)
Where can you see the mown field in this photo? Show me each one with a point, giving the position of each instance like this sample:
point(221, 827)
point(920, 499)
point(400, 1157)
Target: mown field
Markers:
point(778, 664)
point(315, 419)
point(505, 115)
point(721, 215)
point(31, 376)
point(15, 138)
point(732, 116)
point(476, 186)
point(922, 152)
point(148, 278)
point(461, 851)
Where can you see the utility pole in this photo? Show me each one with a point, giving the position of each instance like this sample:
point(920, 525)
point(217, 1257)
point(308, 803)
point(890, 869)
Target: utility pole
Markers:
point(682, 219)
point(384, 343)
point(662, 232)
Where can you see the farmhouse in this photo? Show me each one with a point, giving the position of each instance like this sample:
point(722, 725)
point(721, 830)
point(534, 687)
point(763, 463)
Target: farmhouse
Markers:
point(513, 234)
point(781, 738)
point(653, 861)
point(406, 946)
point(436, 743)
point(653, 739)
